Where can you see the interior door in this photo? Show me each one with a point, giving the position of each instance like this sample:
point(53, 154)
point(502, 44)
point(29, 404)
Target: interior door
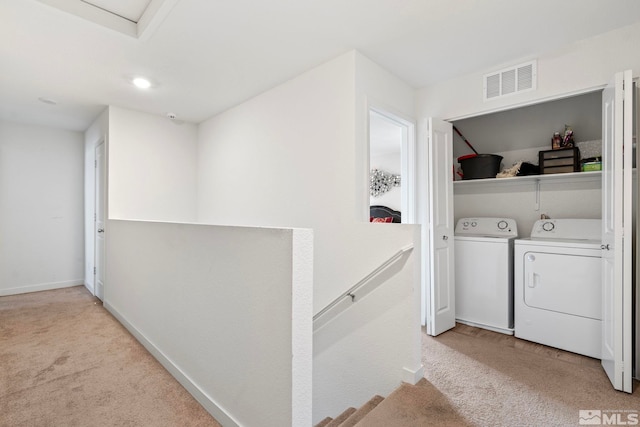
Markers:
point(617, 122)
point(440, 307)
point(100, 179)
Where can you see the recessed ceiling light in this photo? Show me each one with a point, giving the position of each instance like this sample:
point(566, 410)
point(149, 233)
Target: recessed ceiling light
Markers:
point(48, 101)
point(142, 83)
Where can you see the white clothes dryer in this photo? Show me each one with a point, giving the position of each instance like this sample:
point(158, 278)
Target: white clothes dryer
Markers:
point(558, 285)
point(484, 272)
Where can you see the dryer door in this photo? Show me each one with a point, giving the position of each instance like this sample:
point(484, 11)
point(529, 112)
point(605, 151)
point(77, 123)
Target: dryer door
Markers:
point(563, 282)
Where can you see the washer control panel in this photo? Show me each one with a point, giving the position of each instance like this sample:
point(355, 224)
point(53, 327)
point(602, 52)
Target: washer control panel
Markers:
point(487, 227)
point(567, 229)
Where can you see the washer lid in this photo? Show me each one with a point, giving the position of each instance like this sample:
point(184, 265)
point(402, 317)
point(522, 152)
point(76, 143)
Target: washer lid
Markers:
point(486, 227)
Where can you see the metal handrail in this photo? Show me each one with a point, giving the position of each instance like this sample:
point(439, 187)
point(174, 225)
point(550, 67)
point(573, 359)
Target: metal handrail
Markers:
point(351, 291)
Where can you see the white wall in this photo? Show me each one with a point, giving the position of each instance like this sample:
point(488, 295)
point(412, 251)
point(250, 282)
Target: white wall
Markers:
point(41, 205)
point(227, 310)
point(297, 156)
point(152, 167)
point(531, 126)
point(503, 133)
point(572, 69)
point(285, 158)
point(578, 198)
point(371, 346)
point(277, 158)
point(93, 136)
point(590, 63)
point(375, 88)
point(576, 68)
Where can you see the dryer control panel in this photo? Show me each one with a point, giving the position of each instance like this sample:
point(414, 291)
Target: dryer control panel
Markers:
point(487, 227)
point(567, 229)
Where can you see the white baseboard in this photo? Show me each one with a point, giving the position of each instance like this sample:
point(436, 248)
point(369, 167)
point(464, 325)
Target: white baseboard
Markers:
point(41, 287)
point(205, 400)
point(412, 376)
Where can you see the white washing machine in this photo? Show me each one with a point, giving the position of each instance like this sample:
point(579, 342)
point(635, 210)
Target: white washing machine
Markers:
point(558, 285)
point(484, 272)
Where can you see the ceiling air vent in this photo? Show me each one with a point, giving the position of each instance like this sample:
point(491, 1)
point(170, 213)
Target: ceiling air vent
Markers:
point(508, 81)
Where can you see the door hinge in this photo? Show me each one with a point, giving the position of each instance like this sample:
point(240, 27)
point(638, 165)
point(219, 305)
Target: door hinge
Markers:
point(95, 163)
point(94, 270)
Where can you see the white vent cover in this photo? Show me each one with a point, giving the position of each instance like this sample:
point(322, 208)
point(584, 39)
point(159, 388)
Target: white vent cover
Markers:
point(508, 81)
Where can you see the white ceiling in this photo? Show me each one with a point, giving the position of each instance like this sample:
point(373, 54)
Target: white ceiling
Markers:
point(206, 56)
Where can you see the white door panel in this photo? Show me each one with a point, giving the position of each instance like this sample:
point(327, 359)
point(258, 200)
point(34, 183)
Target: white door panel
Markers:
point(617, 121)
point(441, 290)
point(100, 209)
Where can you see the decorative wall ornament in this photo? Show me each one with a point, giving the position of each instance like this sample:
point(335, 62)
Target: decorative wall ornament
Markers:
point(380, 182)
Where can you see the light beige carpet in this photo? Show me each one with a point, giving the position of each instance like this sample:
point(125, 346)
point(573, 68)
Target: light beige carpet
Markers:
point(65, 361)
point(494, 380)
point(409, 405)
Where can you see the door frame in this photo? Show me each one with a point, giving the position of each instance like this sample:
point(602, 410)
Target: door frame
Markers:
point(617, 196)
point(407, 155)
point(99, 201)
point(425, 195)
point(423, 176)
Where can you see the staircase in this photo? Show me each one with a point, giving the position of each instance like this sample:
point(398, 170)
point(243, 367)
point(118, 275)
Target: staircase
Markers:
point(407, 406)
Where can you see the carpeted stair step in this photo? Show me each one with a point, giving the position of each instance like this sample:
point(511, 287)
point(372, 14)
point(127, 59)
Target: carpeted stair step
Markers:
point(324, 422)
point(351, 416)
point(337, 421)
point(414, 405)
point(362, 411)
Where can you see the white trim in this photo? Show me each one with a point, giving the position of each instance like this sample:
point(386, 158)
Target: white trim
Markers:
point(408, 157)
point(636, 197)
point(527, 103)
point(41, 287)
point(96, 15)
point(206, 401)
point(422, 207)
point(98, 291)
point(302, 328)
point(154, 14)
point(412, 376)
point(627, 283)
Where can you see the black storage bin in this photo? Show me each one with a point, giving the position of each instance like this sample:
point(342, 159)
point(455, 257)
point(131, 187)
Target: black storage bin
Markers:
point(480, 166)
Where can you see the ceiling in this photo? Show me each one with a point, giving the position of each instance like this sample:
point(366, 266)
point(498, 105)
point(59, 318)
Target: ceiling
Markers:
point(205, 56)
point(131, 10)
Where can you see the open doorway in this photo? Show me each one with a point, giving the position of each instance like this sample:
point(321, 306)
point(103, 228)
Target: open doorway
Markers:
point(392, 163)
